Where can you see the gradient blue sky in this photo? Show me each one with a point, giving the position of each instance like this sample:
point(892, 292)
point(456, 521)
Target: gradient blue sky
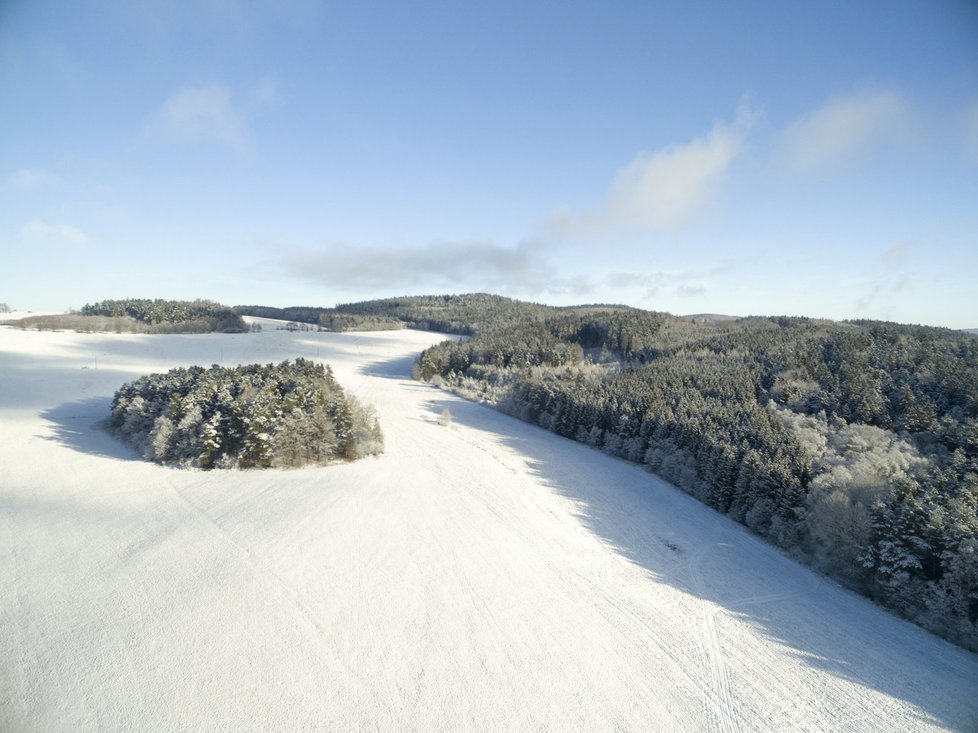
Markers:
point(806, 158)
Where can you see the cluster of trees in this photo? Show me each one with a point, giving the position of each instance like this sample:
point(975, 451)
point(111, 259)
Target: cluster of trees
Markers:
point(299, 314)
point(324, 318)
point(170, 316)
point(4, 308)
point(252, 416)
point(333, 321)
point(84, 324)
point(853, 445)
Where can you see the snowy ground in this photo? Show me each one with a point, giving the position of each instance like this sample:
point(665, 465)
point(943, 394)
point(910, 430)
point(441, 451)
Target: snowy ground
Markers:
point(483, 576)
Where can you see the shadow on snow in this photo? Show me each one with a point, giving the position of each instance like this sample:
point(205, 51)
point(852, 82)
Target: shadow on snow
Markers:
point(83, 426)
point(678, 540)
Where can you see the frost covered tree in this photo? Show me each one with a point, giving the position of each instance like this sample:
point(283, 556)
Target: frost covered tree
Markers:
point(254, 416)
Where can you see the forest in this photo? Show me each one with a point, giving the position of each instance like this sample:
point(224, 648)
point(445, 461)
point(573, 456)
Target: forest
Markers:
point(171, 316)
point(851, 445)
point(253, 416)
point(140, 315)
point(327, 319)
point(461, 314)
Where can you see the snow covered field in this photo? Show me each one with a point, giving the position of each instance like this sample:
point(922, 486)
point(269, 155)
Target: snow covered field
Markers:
point(482, 576)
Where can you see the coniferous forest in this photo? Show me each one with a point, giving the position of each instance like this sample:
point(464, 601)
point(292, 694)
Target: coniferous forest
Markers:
point(171, 316)
point(254, 416)
point(852, 445)
point(141, 315)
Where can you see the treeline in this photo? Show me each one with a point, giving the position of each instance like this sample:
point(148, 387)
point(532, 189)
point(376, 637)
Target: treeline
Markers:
point(852, 445)
point(170, 316)
point(253, 416)
point(459, 314)
point(84, 324)
point(325, 318)
point(119, 324)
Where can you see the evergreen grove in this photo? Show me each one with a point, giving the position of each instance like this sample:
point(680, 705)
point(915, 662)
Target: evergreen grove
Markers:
point(252, 416)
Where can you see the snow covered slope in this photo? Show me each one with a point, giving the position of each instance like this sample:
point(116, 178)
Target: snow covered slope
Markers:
point(482, 576)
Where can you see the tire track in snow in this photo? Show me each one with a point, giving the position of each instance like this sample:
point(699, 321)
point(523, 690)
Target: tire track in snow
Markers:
point(719, 673)
point(718, 670)
point(724, 707)
point(595, 590)
point(277, 583)
point(353, 645)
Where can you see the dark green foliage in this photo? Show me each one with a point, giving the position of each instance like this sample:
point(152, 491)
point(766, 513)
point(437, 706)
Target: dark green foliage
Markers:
point(299, 314)
point(170, 316)
point(252, 416)
point(333, 321)
point(879, 487)
point(326, 318)
point(464, 314)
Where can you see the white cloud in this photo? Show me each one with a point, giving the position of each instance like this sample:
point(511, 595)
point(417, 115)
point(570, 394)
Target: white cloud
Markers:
point(29, 179)
point(456, 265)
point(659, 190)
point(895, 255)
point(202, 113)
point(882, 295)
point(266, 93)
point(42, 232)
point(690, 291)
point(843, 129)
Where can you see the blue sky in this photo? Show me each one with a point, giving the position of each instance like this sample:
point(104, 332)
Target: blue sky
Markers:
point(812, 159)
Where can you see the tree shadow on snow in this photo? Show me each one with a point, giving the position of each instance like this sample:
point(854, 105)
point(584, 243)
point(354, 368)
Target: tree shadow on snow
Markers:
point(82, 425)
point(399, 368)
point(679, 541)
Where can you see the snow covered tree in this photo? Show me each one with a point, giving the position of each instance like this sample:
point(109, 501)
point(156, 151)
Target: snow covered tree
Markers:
point(252, 416)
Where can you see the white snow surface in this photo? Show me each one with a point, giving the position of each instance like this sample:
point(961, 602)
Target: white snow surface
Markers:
point(482, 576)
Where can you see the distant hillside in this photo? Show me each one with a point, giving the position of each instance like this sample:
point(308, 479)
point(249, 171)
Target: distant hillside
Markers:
point(709, 318)
point(463, 314)
point(140, 315)
point(326, 318)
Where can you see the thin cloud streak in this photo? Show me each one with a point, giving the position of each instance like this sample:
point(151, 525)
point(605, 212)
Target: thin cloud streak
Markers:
point(201, 113)
point(895, 255)
point(29, 179)
point(842, 130)
point(57, 233)
point(528, 270)
point(882, 293)
point(660, 190)
point(456, 265)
